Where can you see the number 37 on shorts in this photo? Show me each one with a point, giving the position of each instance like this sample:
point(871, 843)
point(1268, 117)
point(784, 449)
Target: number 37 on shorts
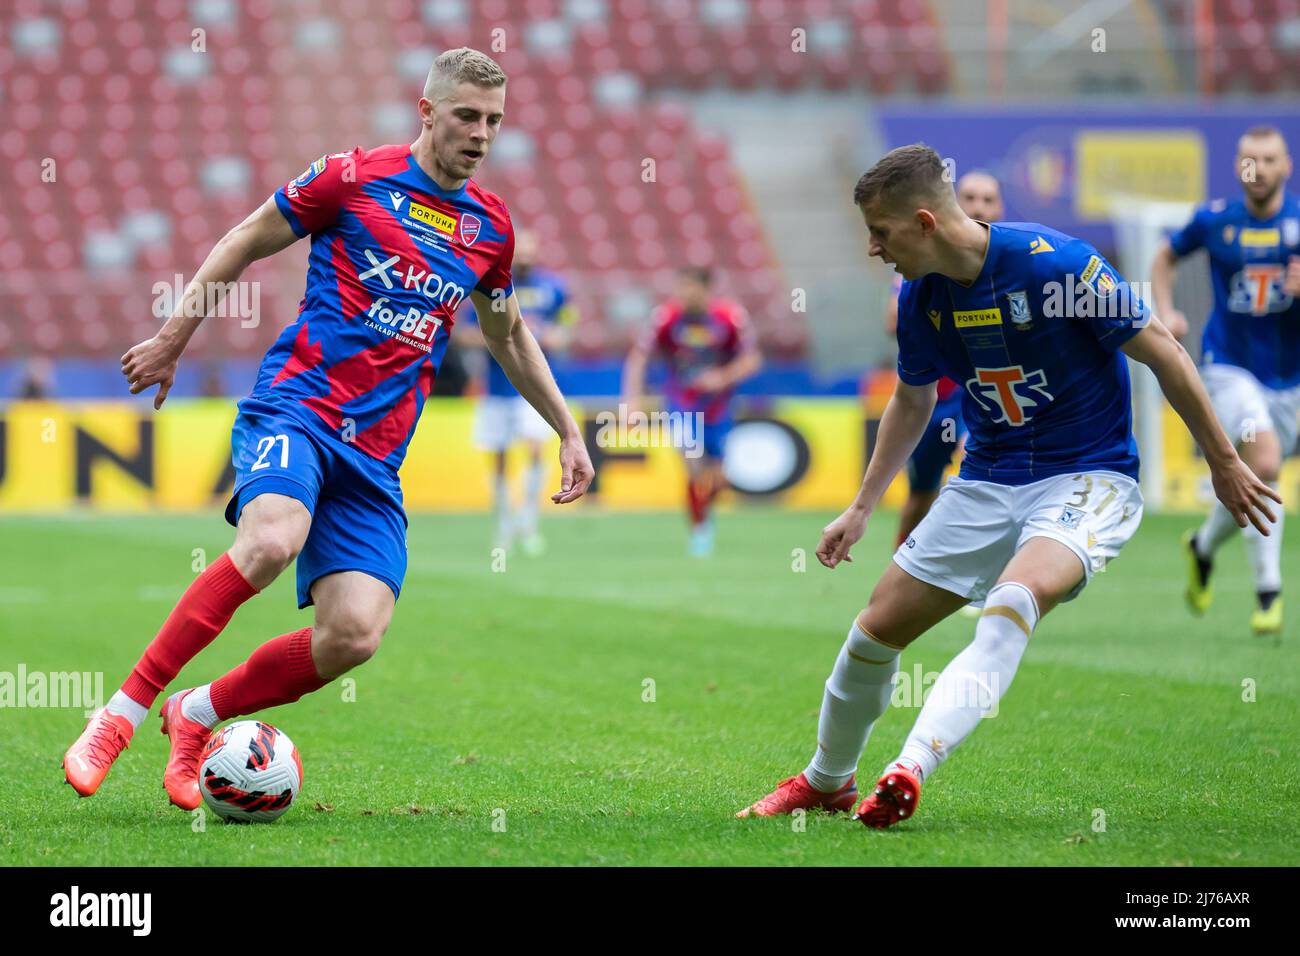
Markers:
point(975, 527)
point(1099, 512)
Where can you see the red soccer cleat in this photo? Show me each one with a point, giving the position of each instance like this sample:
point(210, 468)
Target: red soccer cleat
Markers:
point(895, 798)
point(796, 793)
point(86, 763)
point(188, 737)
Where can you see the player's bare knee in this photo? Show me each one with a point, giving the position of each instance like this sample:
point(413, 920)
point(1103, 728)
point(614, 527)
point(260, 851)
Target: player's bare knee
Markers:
point(878, 626)
point(266, 549)
point(1046, 593)
point(1263, 455)
point(346, 640)
point(1268, 466)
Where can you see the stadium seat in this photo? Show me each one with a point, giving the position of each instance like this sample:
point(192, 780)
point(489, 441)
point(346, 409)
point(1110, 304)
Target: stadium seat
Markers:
point(180, 144)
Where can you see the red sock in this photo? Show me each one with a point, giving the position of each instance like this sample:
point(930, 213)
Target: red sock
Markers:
point(698, 501)
point(200, 615)
point(278, 672)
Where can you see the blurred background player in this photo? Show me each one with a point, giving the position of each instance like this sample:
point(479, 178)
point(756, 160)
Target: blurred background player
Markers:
point(709, 349)
point(1250, 349)
point(980, 197)
point(504, 418)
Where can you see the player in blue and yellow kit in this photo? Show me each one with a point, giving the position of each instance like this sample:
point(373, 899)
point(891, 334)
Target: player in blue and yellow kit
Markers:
point(980, 196)
point(1031, 323)
point(504, 418)
point(1250, 359)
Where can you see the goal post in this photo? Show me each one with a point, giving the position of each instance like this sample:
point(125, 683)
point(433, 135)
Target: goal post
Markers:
point(1140, 226)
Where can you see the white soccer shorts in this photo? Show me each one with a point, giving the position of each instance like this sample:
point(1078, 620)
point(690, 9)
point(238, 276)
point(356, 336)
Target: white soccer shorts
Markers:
point(1243, 405)
point(500, 421)
point(975, 527)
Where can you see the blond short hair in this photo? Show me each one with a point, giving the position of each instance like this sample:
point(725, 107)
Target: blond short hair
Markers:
point(462, 65)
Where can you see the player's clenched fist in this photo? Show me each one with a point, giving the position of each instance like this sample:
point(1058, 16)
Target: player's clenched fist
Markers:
point(1176, 322)
point(152, 362)
point(1291, 281)
point(576, 470)
point(840, 535)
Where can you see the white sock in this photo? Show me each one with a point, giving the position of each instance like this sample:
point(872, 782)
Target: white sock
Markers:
point(501, 503)
point(124, 706)
point(1217, 528)
point(857, 693)
point(1266, 553)
point(974, 681)
point(532, 491)
point(197, 706)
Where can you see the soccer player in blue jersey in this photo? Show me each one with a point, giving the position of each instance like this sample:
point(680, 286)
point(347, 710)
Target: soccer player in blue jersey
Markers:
point(980, 196)
point(1031, 323)
point(1250, 349)
point(504, 418)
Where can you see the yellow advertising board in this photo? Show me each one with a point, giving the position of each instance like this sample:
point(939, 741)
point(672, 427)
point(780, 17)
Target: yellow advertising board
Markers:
point(1164, 165)
point(795, 453)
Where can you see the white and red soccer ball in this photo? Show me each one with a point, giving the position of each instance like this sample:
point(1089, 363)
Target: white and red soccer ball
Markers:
point(251, 772)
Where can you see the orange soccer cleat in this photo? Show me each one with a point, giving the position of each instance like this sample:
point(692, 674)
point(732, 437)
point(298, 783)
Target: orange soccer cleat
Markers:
point(188, 737)
point(796, 793)
point(895, 798)
point(86, 763)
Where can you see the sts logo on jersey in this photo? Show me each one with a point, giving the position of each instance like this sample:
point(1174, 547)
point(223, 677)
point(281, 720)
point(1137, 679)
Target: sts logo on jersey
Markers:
point(1009, 394)
point(1258, 289)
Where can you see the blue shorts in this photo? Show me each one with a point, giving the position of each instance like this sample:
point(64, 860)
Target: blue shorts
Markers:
point(714, 434)
point(357, 524)
point(933, 454)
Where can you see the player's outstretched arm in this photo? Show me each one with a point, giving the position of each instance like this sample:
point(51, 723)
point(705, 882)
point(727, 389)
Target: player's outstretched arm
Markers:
point(901, 426)
point(153, 361)
point(510, 342)
point(1239, 488)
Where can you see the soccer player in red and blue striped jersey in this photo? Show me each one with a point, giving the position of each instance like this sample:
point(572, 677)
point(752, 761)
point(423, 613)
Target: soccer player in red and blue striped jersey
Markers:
point(400, 235)
point(709, 348)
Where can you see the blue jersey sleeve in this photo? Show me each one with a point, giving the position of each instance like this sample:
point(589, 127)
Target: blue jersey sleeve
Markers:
point(564, 313)
point(1191, 237)
point(1097, 294)
point(916, 351)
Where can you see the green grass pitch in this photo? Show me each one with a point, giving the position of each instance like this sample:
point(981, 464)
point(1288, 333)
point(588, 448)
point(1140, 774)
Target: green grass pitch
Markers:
point(504, 720)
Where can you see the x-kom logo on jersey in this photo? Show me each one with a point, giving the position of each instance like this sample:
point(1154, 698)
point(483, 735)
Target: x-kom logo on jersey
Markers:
point(434, 286)
point(380, 269)
point(1009, 394)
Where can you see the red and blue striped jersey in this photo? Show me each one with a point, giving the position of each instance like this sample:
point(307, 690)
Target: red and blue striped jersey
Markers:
point(692, 343)
point(392, 256)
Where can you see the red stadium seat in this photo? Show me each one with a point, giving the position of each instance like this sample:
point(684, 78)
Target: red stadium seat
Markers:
point(161, 119)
